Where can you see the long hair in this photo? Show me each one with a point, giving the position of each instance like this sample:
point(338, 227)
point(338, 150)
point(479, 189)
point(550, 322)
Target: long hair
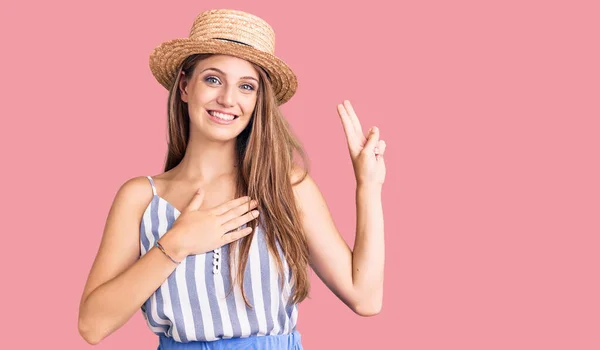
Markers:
point(265, 152)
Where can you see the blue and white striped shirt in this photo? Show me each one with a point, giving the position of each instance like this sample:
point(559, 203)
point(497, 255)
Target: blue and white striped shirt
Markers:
point(192, 304)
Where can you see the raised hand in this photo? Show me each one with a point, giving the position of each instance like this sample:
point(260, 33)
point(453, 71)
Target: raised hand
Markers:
point(366, 151)
point(201, 230)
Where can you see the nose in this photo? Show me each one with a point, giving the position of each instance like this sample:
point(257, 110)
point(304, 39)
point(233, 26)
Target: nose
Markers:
point(227, 96)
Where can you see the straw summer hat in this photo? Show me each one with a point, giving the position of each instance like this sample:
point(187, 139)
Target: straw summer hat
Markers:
point(227, 32)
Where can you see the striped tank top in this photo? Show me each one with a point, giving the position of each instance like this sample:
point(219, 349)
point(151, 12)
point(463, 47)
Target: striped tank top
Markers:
point(192, 304)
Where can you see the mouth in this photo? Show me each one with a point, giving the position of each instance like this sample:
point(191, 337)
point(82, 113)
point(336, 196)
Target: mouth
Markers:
point(225, 117)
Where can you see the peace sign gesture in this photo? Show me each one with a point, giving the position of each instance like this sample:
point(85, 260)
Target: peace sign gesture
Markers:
point(366, 151)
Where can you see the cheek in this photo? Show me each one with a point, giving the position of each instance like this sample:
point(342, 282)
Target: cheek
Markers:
point(198, 100)
point(249, 106)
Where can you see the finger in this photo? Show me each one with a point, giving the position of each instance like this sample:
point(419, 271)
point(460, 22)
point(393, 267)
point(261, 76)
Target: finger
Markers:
point(238, 211)
point(381, 147)
point(196, 201)
point(235, 235)
point(225, 207)
point(353, 118)
point(349, 130)
point(372, 140)
point(240, 220)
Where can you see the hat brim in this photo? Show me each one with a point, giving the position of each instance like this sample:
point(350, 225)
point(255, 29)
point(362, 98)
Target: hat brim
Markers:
point(166, 59)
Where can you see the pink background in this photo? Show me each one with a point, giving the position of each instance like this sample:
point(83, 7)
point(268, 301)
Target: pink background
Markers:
point(491, 116)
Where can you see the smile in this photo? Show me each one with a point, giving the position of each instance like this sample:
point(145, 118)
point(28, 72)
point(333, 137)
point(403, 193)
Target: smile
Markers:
point(222, 116)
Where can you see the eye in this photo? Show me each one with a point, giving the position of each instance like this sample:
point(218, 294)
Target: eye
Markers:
point(210, 79)
point(248, 87)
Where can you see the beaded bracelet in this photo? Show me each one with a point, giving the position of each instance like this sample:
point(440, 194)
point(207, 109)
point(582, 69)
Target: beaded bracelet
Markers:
point(159, 246)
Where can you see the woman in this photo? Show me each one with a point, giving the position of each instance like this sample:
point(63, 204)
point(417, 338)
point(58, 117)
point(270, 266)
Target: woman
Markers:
point(215, 250)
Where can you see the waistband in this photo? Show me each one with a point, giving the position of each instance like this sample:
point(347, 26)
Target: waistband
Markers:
point(290, 341)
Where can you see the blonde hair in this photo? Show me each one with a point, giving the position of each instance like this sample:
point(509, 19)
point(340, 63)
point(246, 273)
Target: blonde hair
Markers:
point(265, 155)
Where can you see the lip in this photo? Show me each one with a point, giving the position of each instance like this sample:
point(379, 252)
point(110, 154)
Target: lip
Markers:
point(220, 121)
point(220, 111)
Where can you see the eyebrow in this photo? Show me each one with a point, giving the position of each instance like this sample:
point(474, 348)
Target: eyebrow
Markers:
point(220, 71)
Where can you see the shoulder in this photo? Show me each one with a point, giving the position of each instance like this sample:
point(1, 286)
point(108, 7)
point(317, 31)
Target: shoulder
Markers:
point(305, 189)
point(301, 179)
point(135, 193)
point(136, 186)
point(298, 174)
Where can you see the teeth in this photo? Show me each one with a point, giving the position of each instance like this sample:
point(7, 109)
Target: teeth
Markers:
point(221, 115)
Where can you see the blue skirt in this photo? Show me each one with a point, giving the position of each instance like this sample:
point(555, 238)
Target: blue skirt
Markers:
point(276, 342)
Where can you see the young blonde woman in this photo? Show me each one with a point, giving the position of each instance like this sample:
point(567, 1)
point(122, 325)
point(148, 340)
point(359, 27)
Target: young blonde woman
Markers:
point(215, 250)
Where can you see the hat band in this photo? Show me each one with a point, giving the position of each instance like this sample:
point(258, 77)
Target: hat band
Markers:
point(233, 41)
point(239, 42)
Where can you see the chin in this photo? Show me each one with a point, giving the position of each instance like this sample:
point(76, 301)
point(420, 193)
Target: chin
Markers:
point(221, 134)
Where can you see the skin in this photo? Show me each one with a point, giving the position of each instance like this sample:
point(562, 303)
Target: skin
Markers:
point(354, 276)
point(120, 281)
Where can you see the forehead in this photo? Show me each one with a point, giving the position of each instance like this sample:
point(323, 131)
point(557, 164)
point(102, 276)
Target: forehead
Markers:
point(232, 66)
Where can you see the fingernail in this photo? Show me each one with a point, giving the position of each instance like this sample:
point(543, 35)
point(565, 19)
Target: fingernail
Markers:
point(255, 213)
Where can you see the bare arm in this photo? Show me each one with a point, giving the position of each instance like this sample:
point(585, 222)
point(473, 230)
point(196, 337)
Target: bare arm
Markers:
point(368, 257)
point(119, 283)
point(355, 277)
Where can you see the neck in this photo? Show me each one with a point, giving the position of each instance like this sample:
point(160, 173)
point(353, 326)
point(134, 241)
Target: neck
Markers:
point(206, 160)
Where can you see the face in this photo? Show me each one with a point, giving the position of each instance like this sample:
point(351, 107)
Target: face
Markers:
point(221, 96)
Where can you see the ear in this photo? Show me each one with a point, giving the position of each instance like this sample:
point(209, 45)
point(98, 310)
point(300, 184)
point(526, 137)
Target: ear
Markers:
point(183, 87)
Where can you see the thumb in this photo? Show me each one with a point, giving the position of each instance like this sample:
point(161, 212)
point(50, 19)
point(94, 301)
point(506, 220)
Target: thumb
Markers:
point(196, 201)
point(372, 140)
